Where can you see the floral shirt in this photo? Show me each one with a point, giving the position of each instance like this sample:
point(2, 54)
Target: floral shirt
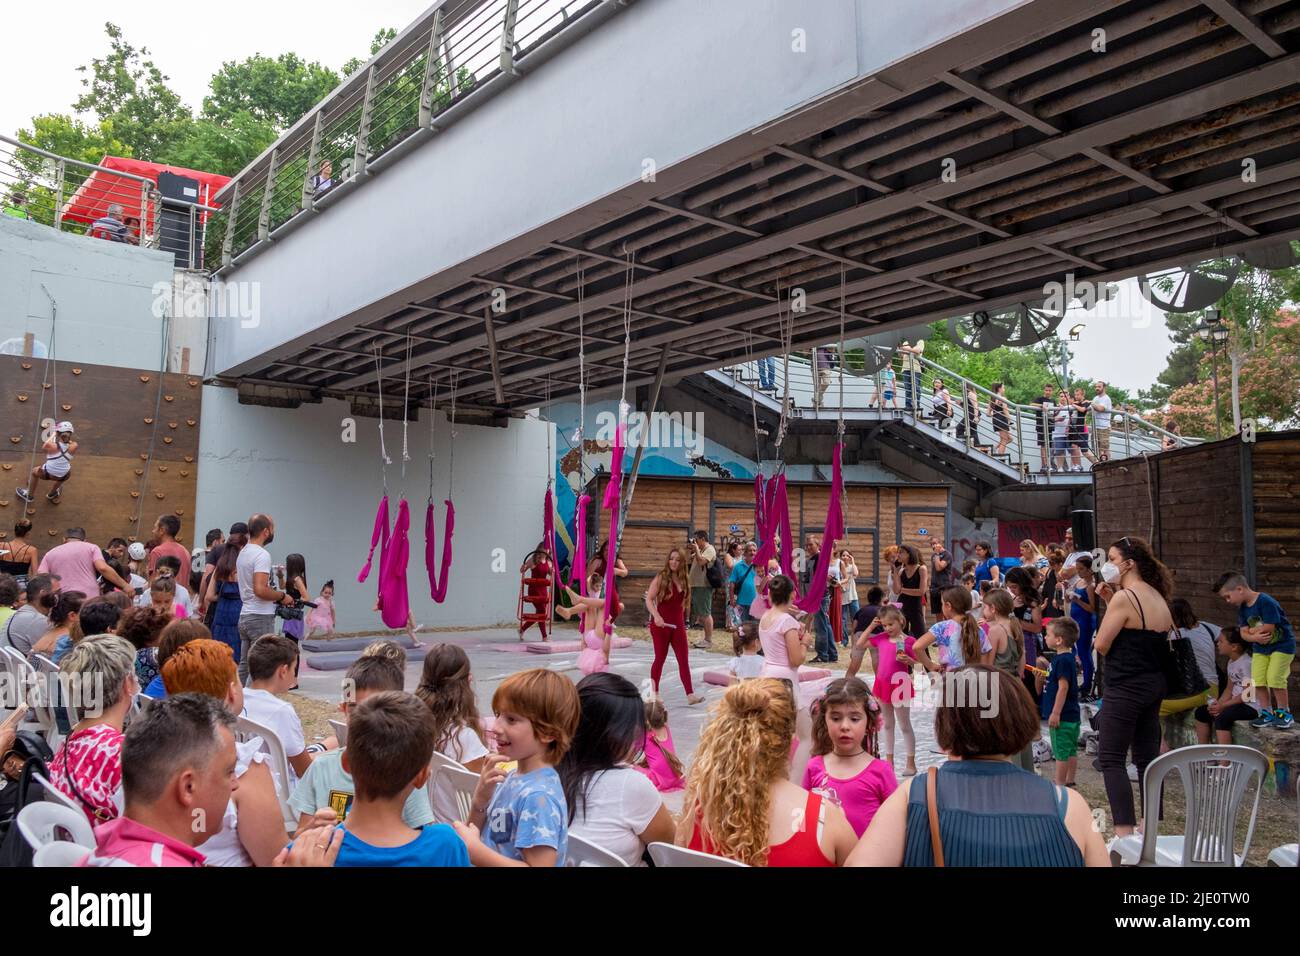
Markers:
point(93, 760)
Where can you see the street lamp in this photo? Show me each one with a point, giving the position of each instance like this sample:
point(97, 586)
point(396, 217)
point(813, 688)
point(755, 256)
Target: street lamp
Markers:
point(1214, 330)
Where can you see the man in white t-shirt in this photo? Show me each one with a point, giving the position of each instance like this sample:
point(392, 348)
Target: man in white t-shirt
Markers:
point(1101, 410)
point(271, 663)
point(253, 571)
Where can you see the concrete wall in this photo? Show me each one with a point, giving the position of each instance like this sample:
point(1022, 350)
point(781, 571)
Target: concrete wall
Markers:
point(322, 493)
point(104, 291)
point(662, 81)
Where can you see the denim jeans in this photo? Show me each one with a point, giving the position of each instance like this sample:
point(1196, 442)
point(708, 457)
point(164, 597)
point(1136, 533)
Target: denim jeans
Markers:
point(850, 611)
point(909, 388)
point(251, 627)
point(822, 629)
point(767, 372)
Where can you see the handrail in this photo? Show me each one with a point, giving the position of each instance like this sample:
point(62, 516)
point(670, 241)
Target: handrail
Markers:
point(30, 189)
point(450, 60)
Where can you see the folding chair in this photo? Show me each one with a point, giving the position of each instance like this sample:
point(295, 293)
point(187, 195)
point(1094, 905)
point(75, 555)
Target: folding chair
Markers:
point(665, 854)
point(585, 853)
point(246, 730)
point(42, 823)
point(1215, 778)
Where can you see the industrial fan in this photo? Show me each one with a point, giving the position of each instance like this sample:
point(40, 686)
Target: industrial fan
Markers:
point(1189, 288)
point(1019, 325)
point(877, 349)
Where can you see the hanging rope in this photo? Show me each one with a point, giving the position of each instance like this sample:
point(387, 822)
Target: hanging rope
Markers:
point(439, 573)
point(383, 450)
point(627, 329)
point(839, 430)
point(753, 403)
point(451, 447)
point(578, 563)
point(153, 435)
point(51, 369)
point(785, 324)
point(406, 411)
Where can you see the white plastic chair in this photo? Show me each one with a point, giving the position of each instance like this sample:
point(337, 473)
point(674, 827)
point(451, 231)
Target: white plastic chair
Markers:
point(41, 822)
point(451, 778)
point(246, 730)
point(665, 854)
point(54, 795)
point(38, 698)
point(1215, 778)
point(142, 702)
point(340, 728)
point(45, 666)
point(60, 854)
point(1286, 855)
point(18, 674)
point(585, 853)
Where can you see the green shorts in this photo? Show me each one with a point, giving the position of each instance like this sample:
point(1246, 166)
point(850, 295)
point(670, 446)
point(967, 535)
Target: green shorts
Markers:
point(701, 601)
point(1270, 670)
point(1065, 740)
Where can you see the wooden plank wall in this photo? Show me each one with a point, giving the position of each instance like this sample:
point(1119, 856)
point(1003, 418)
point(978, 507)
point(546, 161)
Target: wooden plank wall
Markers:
point(112, 410)
point(666, 511)
point(1201, 528)
point(1275, 480)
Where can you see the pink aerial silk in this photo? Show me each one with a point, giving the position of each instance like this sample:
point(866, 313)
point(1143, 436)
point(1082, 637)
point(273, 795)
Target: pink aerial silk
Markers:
point(394, 605)
point(578, 572)
point(766, 495)
point(379, 536)
point(438, 581)
point(613, 497)
point(811, 602)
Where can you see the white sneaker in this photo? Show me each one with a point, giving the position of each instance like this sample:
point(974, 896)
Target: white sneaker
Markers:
point(1133, 772)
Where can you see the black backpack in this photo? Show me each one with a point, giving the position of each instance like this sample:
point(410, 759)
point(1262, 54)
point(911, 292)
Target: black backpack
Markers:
point(14, 850)
point(716, 573)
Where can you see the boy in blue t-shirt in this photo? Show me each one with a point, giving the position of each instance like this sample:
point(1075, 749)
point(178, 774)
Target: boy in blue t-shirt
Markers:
point(1266, 629)
point(522, 815)
point(1061, 699)
point(390, 737)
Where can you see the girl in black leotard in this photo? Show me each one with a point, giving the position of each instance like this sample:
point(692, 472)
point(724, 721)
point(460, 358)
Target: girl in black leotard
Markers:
point(1131, 639)
point(912, 582)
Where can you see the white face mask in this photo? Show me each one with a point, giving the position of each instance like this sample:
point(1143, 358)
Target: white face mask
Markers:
point(1110, 572)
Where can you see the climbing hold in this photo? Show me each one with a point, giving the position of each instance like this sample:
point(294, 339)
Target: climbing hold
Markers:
point(76, 371)
point(171, 424)
point(22, 397)
point(4, 504)
point(131, 537)
point(185, 474)
point(143, 456)
point(7, 467)
point(27, 365)
point(169, 398)
point(162, 468)
point(45, 385)
point(139, 471)
point(189, 457)
point(159, 495)
point(51, 532)
point(192, 383)
point(180, 511)
point(15, 438)
point(135, 494)
point(191, 422)
point(148, 421)
point(167, 440)
point(144, 378)
point(66, 408)
point(3, 535)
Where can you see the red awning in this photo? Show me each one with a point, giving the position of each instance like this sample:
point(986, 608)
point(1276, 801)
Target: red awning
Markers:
point(102, 189)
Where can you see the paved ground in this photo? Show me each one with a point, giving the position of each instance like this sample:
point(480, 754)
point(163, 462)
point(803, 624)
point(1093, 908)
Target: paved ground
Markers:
point(496, 653)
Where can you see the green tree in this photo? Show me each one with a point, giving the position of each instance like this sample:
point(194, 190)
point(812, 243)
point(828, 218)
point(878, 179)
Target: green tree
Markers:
point(380, 40)
point(273, 91)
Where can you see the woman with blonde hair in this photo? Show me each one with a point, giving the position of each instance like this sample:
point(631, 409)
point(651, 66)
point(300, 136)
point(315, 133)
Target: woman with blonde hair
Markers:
point(740, 801)
point(668, 599)
point(1031, 556)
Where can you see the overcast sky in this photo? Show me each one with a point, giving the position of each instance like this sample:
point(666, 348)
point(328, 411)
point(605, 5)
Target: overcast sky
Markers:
point(1124, 340)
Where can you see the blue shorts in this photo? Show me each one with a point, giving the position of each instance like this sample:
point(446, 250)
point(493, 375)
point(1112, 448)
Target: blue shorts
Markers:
point(1061, 444)
point(889, 396)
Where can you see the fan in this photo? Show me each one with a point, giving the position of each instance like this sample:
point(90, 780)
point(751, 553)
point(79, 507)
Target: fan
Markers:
point(978, 332)
point(877, 349)
point(1032, 324)
point(1281, 256)
point(1189, 288)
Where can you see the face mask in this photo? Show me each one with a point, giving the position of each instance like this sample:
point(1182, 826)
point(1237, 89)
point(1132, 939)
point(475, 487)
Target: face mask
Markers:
point(1110, 572)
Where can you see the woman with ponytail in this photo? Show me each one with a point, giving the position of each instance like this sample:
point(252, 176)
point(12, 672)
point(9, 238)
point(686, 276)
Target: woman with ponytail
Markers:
point(958, 637)
point(740, 802)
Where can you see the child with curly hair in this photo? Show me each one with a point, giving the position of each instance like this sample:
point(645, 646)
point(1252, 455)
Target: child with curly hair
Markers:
point(846, 768)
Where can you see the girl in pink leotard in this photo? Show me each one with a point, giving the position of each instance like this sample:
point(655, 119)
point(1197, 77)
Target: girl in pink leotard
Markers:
point(668, 600)
point(658, 759)
point(594, 656)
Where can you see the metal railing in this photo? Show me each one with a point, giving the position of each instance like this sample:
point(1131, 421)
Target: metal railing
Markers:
point(73, 196)
point(457, 54)
point(815, 385)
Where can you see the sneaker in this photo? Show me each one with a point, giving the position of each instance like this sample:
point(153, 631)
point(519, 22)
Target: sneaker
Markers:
point(55, 494)
point(1265, 719)
point(22, 493)
point(1282, 719)
point(1133, 772)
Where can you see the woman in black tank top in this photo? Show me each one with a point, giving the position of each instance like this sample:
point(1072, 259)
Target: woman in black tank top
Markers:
point(912, 576)
point(1130, 638)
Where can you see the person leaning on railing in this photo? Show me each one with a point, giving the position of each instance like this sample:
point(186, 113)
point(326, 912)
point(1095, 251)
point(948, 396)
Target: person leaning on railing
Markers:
point(109, 226)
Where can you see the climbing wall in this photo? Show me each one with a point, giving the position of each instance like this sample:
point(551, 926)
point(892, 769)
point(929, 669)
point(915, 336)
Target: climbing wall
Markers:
point(117, 488)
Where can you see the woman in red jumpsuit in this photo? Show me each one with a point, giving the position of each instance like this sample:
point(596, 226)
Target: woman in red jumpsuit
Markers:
point(668, 599)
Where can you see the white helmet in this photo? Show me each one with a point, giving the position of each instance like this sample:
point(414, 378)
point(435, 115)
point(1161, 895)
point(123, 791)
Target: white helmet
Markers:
point(136, 551)
point(62, 427)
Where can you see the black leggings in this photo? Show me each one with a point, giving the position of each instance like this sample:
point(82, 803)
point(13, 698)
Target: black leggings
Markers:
point(1226, 718)
point(1129, 718)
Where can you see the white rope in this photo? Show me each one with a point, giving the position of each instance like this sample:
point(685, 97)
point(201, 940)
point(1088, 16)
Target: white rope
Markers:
point(840, 428)
point(433, 418)
point(451, 452)
point(627, 331)
point(383, 450)
point(582, 372)
point(406, 411)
